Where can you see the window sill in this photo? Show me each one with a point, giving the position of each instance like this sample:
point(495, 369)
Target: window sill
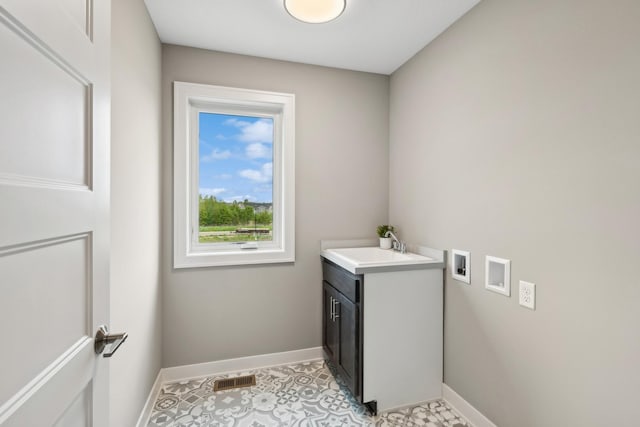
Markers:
point(231, 258)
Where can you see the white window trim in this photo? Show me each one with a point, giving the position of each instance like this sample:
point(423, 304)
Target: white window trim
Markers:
point(189, 99)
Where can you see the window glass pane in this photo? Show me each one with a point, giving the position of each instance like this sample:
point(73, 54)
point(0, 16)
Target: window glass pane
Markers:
point(235, 178)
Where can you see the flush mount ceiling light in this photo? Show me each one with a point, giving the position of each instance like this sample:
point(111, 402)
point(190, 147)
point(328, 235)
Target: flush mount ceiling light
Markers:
point(315, 11)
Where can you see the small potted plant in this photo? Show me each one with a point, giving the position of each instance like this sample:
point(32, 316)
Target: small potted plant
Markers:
point(385, 242)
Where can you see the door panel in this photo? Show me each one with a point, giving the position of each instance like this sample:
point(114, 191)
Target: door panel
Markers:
point(54, 211)
point(48, 396)
point(47, 138)
point(79, 413)
point(330, 328)
point(59, 279)
point(80, 13)
point(348, 356)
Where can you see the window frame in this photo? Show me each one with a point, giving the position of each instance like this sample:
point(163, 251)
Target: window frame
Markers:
point(189, 100)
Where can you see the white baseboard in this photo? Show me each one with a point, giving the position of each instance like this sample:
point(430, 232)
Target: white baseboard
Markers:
point(464, 408)
point(219, 367)
point(143, 420)
point(178, 373)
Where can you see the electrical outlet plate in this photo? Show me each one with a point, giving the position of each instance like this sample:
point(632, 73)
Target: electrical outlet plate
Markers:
point(527, 294)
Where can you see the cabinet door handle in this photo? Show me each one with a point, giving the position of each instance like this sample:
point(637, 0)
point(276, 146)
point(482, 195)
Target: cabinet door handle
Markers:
point(331, 309)
point(335, 311)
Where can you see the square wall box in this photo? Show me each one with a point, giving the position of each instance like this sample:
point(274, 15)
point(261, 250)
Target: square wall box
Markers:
point(461, 266)
point(498, 275)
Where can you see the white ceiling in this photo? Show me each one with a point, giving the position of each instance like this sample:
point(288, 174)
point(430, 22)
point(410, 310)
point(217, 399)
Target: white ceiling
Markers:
point(377, 36)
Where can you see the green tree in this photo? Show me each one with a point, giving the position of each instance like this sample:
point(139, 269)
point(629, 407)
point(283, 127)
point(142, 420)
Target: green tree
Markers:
point(206, 210)
point(264, 218)
point(214, 212)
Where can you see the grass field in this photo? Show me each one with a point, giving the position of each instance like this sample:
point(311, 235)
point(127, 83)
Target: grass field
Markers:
point(227, 233)
point(219, 227)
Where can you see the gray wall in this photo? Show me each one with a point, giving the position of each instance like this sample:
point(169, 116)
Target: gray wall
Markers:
point(341, 192)
point(516, 134)
point(135, 208)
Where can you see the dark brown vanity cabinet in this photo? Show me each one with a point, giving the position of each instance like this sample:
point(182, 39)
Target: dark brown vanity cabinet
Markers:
point(342, 324)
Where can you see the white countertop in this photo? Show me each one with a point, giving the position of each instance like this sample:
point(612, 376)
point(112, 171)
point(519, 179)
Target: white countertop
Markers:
point(368, 259)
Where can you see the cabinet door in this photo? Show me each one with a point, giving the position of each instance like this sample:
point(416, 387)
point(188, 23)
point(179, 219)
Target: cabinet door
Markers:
point(330, 332)
point(348, 356)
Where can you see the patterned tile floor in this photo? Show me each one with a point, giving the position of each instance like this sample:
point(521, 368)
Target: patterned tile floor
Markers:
point(301, 395)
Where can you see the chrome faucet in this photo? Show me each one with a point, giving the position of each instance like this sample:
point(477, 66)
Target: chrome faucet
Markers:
point(397, 244)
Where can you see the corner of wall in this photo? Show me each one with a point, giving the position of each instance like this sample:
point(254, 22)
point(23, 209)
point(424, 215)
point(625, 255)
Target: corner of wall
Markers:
point(135, 208)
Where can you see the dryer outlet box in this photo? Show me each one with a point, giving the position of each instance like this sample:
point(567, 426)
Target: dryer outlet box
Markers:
point(461, 265)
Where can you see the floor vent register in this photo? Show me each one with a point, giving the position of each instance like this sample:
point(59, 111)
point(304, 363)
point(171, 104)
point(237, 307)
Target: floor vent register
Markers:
point(236, 382)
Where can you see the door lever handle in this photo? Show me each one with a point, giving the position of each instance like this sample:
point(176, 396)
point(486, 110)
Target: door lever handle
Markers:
point(104, 338)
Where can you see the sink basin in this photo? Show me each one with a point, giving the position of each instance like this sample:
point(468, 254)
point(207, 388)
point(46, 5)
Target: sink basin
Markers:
point(369, 259)
point(366, 256)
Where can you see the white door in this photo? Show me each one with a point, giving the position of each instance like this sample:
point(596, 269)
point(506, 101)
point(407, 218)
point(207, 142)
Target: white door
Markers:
point(54, 205)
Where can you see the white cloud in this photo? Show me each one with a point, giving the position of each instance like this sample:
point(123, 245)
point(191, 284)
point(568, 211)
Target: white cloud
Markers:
point(258, 131)
point(235, 122)
point(263, 175)
point(258, 151)
point(211, 191)
point(216, 155)
point(224, 176)
point(251, 174)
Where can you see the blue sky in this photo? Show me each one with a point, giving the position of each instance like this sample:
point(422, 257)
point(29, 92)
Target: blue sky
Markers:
point(236, 157)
